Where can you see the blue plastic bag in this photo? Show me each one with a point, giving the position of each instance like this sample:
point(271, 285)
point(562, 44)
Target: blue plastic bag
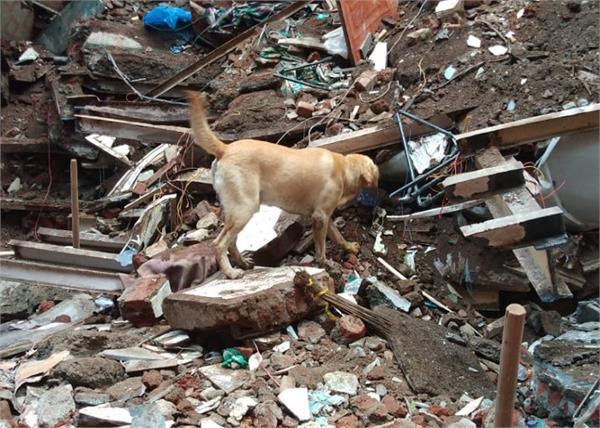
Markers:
point(165, 16)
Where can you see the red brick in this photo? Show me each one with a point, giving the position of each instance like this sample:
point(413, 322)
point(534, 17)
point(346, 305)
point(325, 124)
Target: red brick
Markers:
point(351, 328)
point(364, 403)
point(304, 109)
point(393, 407)
point(377, 373)
point(439, 410)
point(419, 420)
point(349, 421)
point(141, 303)
point(152, 378)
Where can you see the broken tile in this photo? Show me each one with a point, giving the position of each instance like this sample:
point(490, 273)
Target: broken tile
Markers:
point(227, 379)
point(346, 383)
point(296, 401)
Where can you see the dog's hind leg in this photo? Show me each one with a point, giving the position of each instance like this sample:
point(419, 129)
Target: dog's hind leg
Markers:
point(226, 239)
point(245, 262)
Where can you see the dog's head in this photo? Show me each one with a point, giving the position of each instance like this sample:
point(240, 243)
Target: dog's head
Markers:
point(366, 169)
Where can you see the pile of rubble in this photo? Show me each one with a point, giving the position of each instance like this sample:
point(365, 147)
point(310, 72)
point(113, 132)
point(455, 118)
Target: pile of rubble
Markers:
point(480, 115)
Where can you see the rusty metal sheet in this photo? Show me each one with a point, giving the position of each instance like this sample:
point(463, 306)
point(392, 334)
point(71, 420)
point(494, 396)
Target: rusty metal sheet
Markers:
point(360, 17)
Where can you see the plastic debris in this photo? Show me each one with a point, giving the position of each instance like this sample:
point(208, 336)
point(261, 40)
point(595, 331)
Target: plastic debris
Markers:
point(164, 16)
point(234, 359)
point(449, 73)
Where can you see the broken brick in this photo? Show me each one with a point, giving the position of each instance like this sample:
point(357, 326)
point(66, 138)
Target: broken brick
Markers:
point(380, 106)
point(349, 421)
point(141, 303)
point(393, 407)
point(377, 373)
point(417, 35)
point(304, 109)
point(366, 81)
point(351, 328)
point(152, 379)
point(364, 403)
point(440, 411)
point(262, 299)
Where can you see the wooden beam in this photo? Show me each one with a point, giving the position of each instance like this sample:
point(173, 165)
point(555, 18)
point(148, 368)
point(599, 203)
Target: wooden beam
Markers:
point(534, 262)
point(129, 130)
point(376, 138)
point(484, 182)
point(75, 225)
point(518, 230)
point(62, 276)
point(531, 130)
point(88, 240)
point(221, 51)
point(50, 253)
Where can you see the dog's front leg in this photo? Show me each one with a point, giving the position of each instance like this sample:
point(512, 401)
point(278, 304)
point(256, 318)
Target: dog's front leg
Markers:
point(319, 223)
point(335, 235)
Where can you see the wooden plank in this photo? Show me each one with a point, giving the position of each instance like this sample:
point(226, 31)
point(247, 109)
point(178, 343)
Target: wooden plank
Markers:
point(221, 51)
point(448, 209)
point(62, 276)
point(484, 182)
point(137, 131)
point(50, 253)
point(359, 18)
point(376, 138)
point(531, 130)
point(16, 204)
point(88, 240)
point(518, 230)
point(534, 262)
point(25, 145)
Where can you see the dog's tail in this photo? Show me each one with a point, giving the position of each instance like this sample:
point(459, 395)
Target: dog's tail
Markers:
point(203, 135)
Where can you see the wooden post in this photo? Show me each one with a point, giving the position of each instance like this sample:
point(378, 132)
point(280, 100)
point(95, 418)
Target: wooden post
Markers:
point(509, 365)
point(74, 204)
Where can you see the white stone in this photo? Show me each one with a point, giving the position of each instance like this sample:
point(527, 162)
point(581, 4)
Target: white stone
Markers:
point(474, 42)
point(102, 39)
point(241, 407)
point(296, 401)
point(498, 50)
point(346, 383)
point(227, 379)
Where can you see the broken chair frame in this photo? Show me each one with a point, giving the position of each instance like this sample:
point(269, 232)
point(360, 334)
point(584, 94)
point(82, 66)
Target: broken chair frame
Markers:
point(411, 191)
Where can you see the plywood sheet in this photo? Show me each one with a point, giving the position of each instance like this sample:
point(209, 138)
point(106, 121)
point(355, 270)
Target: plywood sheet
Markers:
point(361, 17)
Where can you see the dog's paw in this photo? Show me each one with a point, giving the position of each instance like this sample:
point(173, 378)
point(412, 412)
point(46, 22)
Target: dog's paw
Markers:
point(353, 247)
point(246, 262)
point(234, 273)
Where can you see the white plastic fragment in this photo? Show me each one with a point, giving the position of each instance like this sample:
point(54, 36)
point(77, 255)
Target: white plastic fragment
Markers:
point(498, 50)
point(474, 42)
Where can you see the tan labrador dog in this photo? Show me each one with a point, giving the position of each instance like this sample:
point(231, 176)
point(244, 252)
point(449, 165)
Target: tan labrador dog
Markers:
point(247, 173)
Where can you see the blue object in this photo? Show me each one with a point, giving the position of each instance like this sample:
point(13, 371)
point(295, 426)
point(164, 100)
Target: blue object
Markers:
point(165, 16)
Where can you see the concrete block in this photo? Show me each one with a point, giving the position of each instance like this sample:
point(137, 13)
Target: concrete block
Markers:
point(141, 303)
point(262, 299)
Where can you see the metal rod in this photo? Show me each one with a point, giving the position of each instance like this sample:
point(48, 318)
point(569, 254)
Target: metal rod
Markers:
point(302, 82)
point(509, 365)
point(309, 64)
point(75, 226)
point(426, 123)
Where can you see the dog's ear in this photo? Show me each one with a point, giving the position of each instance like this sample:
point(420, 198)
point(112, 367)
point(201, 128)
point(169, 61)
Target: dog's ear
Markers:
point(369, 173)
